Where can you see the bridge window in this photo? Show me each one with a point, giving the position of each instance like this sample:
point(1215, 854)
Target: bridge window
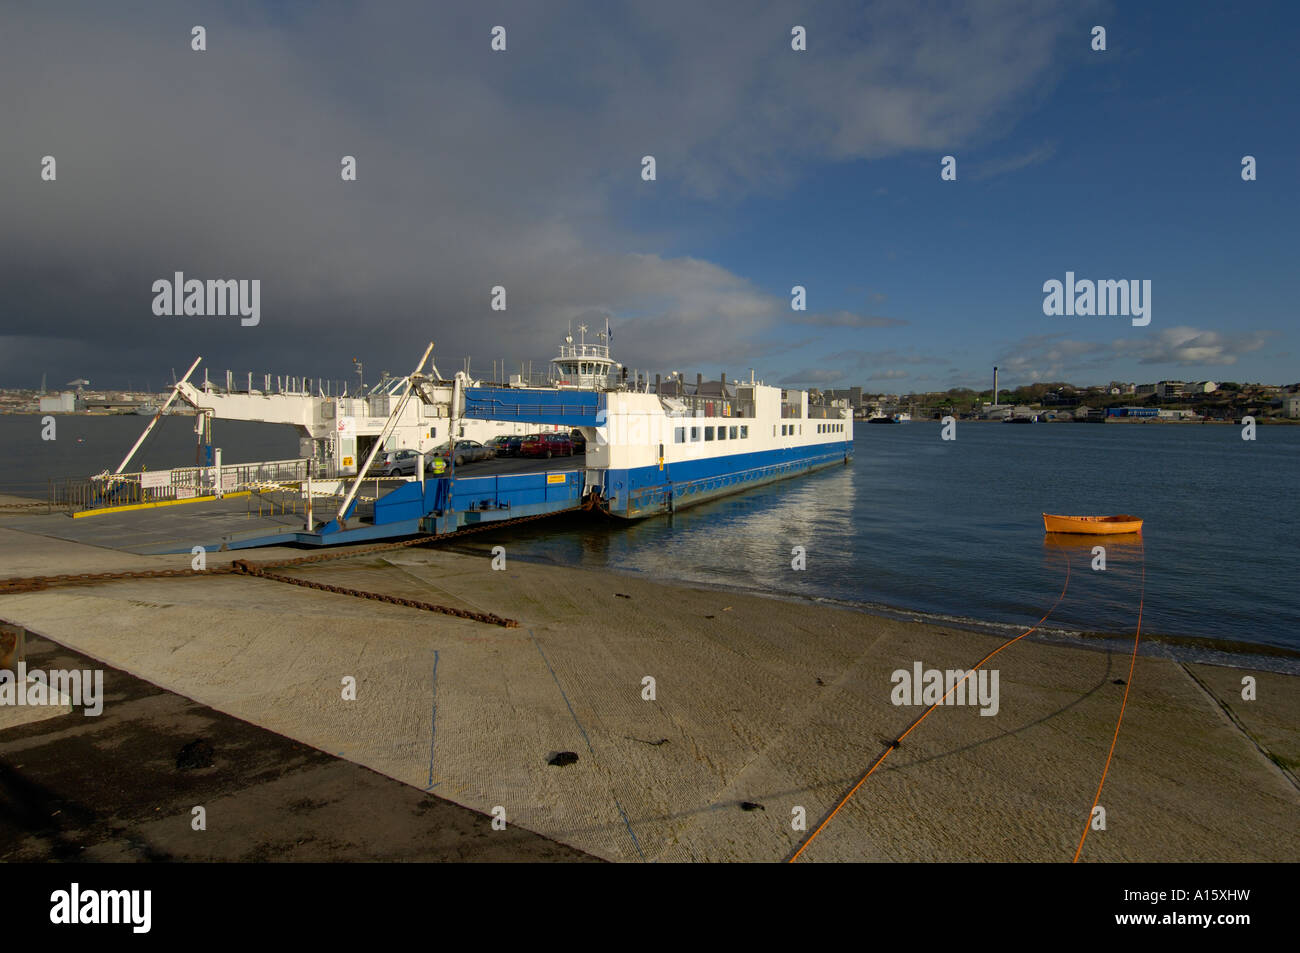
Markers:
point(744, 432)
point(733, 433)
point(679, 435)
point(695, 434)
point(722, 433)
point(708, 433)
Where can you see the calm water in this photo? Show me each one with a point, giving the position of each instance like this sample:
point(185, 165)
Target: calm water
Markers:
point(953, 529)
point(945, 529)
point(87, 445)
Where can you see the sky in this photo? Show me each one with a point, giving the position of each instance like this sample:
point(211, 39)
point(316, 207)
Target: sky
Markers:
point(774, 168)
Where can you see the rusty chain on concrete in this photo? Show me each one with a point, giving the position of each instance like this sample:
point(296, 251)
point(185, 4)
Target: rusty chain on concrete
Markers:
point(252, 570)
point(36, 583)
point(265, 571)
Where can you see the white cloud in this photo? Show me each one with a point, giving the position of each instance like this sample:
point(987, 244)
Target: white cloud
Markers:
point(1054, 356)
point(995, 167)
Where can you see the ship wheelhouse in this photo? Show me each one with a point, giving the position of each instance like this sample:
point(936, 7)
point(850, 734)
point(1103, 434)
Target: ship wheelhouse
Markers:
point(585, 366)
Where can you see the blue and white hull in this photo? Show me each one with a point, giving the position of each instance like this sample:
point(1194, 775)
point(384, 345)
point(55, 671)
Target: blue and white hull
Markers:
point(657, 456)
point(647, 491)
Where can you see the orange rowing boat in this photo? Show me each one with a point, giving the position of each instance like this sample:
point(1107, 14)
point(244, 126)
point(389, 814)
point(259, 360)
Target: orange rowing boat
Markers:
point(1092, 525)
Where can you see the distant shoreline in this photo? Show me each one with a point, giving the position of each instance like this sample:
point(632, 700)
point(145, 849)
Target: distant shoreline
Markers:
point(1116, 420)
point(1288, 421)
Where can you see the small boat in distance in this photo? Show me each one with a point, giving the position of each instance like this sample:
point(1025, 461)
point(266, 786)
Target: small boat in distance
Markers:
point(1092, 525)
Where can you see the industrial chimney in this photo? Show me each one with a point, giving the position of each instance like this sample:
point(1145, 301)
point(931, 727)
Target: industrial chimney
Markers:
point(995, 385)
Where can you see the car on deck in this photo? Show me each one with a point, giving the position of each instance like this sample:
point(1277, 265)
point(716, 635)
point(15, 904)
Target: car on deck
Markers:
point(547, 445)
point(397, 463)
point(500, 446)
point(467, 451)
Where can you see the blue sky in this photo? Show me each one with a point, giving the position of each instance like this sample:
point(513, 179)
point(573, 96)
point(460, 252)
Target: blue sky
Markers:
point(1128, 167)
point(775, 168)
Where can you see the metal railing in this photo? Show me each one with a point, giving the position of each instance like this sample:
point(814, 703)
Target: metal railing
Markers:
point(158, 486)
point(820, 412)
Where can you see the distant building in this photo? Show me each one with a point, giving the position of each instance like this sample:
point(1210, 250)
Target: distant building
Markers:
point(1143, 390)
point(1170, 389)
point(852, 394)
point(1291, 405)
point(64, 403)
point(1199, 387)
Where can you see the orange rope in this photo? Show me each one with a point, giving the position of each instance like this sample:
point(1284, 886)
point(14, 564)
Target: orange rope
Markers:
point(926, 714)
point(1132, 662)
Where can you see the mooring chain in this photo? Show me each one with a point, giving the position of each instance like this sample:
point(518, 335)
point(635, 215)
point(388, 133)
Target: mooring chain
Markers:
point(35, 583)
point(250, 569)
point(264, 571)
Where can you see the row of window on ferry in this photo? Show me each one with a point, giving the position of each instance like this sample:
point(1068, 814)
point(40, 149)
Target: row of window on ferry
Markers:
point(737, 433)
point(787, 430)
point(742, 432)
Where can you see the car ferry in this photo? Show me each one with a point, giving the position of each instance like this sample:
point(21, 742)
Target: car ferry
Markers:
point(635, 447)
point(656, 446)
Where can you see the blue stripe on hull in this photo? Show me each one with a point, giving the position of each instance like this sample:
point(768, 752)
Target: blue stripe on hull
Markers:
point(647, 491)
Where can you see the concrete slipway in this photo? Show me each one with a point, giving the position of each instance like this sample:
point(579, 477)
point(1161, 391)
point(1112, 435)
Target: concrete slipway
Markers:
point(762, 702)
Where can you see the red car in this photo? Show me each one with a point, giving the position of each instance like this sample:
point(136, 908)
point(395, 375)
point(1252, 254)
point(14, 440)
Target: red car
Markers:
point(547, 445)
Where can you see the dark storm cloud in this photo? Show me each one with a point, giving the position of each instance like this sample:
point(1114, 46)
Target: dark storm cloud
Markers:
point(475, 169)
